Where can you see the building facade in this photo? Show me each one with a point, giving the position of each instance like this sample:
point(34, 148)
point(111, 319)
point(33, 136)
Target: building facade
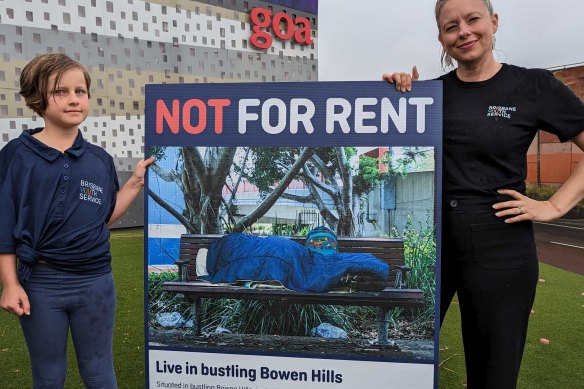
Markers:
point(551, 162)
point(126, 44)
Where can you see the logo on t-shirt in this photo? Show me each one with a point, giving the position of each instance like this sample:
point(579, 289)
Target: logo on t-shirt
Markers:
point(500, 111)
point(90, 192)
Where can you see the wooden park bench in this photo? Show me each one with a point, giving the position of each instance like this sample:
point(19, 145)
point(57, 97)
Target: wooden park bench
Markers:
point(393, 295)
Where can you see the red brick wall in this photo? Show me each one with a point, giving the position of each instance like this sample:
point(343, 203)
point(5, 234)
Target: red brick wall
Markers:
point(557, 160)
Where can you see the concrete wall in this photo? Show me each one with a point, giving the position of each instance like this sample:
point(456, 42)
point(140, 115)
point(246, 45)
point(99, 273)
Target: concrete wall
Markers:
point(414, 198)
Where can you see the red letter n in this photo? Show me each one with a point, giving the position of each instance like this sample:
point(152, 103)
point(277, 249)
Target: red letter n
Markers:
point(163, 114)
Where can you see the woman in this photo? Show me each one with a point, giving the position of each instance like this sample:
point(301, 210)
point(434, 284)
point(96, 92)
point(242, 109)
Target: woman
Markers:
point(492, 112)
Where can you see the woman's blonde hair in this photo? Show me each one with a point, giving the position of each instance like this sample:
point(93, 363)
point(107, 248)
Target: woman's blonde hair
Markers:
point(34, 79)
point(445, 59)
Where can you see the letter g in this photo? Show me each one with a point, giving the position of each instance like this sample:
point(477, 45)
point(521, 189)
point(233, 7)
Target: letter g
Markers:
point(260, 38)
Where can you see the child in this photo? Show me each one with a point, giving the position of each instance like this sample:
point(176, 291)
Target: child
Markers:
point(58, 193)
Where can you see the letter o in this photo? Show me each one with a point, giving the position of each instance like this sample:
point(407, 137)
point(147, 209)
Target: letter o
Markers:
point(276, 21)
point(281, 116)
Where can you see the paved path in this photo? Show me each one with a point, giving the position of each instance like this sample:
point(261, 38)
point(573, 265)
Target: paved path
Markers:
point(561, 244)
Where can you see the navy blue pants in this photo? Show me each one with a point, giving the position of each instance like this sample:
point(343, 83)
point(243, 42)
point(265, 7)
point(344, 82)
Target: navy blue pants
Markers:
point(84, 304)
point(493, 268)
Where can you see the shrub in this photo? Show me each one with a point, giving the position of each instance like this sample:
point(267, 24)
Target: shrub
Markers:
point(542, 193)
point(545, 192)
point(248, 316)
point(159, 301)
point(420, 255)
point(273, 317)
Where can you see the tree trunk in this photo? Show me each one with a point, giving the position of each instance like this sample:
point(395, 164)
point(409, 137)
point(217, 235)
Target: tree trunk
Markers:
point(201, 181)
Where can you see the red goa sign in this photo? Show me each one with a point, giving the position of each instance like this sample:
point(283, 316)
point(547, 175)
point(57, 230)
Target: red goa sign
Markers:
point(261, 19)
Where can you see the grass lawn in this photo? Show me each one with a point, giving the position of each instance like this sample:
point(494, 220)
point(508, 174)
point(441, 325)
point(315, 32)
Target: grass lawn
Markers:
point(128, 267)
point(559, 314)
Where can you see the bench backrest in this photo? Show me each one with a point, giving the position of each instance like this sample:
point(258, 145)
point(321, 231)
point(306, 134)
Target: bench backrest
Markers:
point(388, 250)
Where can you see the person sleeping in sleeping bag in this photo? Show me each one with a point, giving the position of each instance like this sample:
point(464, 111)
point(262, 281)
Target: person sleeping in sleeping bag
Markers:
point(237, 257)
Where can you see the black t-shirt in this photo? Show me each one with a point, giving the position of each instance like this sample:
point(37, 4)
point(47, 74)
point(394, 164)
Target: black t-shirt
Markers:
point(489, 125)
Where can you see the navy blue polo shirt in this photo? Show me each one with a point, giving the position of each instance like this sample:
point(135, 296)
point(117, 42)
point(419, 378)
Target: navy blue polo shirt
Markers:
point(55, 206)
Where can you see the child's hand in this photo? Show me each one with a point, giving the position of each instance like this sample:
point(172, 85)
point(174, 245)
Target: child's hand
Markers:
point(15, 300)
point(130, 190)
point(140, 171)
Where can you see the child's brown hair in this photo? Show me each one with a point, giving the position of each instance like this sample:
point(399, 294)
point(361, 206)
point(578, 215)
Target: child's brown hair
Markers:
point(34, 79)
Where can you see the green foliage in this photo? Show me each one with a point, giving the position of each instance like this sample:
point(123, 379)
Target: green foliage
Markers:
point(274, 318)
point(545, 192)
point(159, 301)
point(420, 255)
point(270, 164)
point(407, 160)
point(267, 166)
point(159, 152)
point(280, 229)
point(368, 176)
point(542, 193)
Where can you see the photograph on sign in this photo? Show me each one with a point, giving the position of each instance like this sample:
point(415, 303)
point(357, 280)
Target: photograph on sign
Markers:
point(291, 221)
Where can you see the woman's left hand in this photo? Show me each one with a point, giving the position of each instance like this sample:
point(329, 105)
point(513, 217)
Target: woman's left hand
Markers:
point(524, 208)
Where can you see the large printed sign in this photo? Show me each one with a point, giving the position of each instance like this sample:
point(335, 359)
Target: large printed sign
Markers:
point(327, 113)
point(244, 173)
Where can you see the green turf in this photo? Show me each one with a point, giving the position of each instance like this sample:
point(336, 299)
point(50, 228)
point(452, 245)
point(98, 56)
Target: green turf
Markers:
point(128, 268)
point(559, 314)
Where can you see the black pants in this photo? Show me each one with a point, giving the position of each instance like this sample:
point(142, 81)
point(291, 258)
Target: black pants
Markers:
point(493, 268)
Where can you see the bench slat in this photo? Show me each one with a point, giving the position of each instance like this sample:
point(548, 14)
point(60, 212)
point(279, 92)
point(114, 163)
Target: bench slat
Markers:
point(387, 297)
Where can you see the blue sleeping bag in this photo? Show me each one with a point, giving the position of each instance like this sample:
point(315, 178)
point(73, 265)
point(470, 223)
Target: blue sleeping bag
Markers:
point(237, 257)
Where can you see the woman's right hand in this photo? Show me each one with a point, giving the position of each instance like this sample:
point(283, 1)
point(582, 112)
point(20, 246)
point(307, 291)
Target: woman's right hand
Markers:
point(15, 300)
point(402, 80)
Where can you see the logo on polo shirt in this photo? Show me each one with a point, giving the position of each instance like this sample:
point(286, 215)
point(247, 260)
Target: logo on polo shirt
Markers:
point(91, 192)
point(500, 111)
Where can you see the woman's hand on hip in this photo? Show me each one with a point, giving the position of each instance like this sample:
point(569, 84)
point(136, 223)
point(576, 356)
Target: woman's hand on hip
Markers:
point(523, 208)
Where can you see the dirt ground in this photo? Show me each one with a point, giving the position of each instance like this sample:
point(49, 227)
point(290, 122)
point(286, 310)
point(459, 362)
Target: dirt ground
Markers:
point(422, 349)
